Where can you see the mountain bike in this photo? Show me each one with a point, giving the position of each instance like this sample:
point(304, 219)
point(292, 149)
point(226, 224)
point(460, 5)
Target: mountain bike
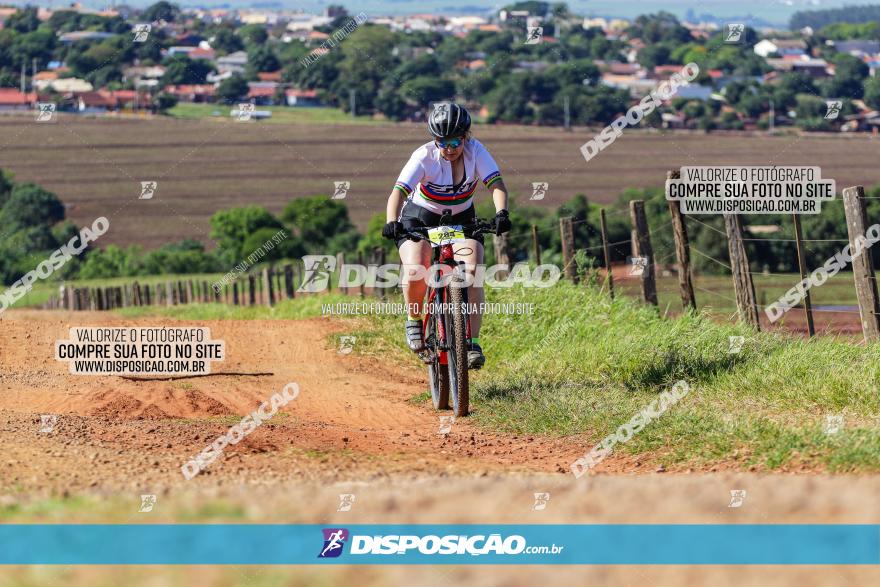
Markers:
point(446, 326)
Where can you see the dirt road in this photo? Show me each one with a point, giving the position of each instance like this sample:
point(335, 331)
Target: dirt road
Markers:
point(354, 417)
point(353, 429)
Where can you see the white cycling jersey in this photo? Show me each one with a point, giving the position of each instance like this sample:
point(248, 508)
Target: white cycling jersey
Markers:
point(426, 178)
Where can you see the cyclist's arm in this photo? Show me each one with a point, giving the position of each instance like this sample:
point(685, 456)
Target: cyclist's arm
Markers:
point(395, 203)
point(499, 195)
point(409, 177)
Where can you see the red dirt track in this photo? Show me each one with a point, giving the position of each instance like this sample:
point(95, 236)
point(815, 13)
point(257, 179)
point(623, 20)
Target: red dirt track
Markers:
point(353, 417)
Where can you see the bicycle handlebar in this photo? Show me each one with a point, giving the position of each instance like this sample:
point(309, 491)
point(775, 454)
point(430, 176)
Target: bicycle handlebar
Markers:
point(476, 228)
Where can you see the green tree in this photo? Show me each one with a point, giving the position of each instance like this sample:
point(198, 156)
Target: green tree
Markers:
point(849, 76)
point(253, 34)
point(366, 60)
point(423, 90)
point(30, 205)
point(183, 70)
point(322, 224)
point(164, 102)
point(23, 21)
point(226, 41)
point(262, 58)
point(872, 93)
point(161, 10)
point(231, 228)
point(233, 89)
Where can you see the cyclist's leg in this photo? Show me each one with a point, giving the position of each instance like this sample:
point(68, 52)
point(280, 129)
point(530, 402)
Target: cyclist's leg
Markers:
point(471, 253)
point(415, 257)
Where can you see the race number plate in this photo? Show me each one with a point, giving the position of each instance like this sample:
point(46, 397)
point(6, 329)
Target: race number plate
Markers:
point(443, 235)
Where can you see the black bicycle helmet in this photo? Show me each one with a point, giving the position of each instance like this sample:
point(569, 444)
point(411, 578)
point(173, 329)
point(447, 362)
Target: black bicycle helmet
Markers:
point(448, 120)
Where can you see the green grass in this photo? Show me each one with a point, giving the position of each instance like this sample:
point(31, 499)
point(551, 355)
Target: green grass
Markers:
point(297, 308)
point(280, 114)
point(583, 364)
point(715, 292)
point(586, 364)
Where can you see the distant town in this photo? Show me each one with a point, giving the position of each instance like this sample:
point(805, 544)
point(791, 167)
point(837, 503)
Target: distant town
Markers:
point(529, 63)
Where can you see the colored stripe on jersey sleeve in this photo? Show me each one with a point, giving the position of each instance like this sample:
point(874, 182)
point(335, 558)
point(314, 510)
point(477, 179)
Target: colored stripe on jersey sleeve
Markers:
point(492, 178)
point(403, 187)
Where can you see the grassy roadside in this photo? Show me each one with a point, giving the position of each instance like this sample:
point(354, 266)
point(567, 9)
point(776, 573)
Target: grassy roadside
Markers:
point(582, 364)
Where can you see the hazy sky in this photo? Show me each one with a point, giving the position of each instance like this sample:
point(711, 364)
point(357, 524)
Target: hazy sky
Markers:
point(777, 11)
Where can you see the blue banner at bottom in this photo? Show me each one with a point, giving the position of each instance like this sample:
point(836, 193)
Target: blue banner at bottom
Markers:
point(279, 544)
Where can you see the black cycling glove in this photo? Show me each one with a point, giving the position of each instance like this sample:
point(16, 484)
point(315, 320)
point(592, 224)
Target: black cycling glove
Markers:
point(502, 222)
point(393, 230)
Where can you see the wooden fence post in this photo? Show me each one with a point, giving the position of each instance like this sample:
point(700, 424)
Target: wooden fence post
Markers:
point(340, 262)
point(252, 289)
point(642, 248)
point(603, 229)
point(380, 260)
point(536, 246)
point(169, 293)
point(743, 286)
point(136, 294)
point(361, 263)
point(863, 264)
point(802, 265)
point(267, 287)
point(682, 251)
point(566, 233)
point(288, 280)
point(499, 241)
point(235, 294)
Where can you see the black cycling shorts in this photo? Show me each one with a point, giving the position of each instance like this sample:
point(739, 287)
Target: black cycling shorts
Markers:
point(413, 216)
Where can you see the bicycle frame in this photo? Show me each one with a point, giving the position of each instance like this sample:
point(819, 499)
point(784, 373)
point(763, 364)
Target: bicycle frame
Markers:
point(443, 255)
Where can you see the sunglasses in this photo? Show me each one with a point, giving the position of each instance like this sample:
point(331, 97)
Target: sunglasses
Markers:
point(449, 143)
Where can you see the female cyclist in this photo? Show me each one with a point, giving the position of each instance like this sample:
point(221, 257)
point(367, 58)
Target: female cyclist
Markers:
point(441, 176)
